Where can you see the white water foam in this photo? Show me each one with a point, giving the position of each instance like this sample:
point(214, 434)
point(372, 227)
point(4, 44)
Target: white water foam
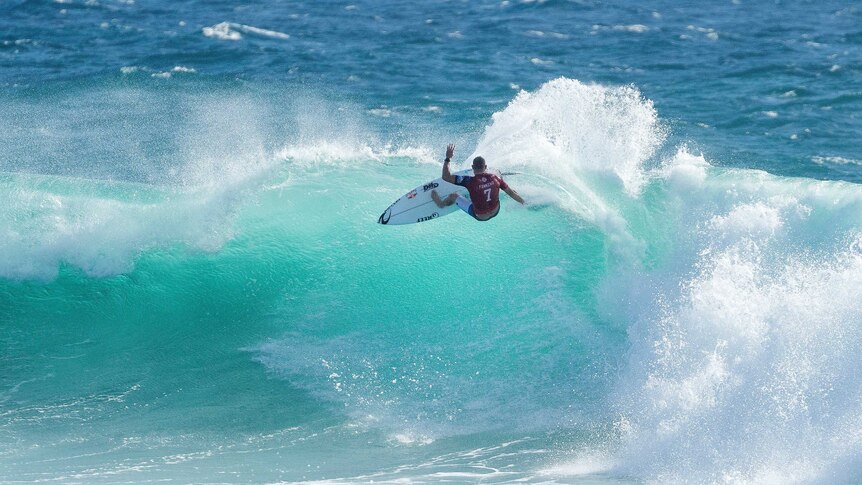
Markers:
point(745, 342)
point(222, 31)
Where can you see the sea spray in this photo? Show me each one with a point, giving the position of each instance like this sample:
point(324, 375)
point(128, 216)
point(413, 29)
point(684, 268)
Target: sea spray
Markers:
point(568, 129)
point(592, 140)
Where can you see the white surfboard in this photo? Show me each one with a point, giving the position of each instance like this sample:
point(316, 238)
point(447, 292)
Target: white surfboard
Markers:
point(418, 206)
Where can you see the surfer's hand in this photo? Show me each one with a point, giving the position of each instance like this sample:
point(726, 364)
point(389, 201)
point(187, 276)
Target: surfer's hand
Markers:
point(450, 150)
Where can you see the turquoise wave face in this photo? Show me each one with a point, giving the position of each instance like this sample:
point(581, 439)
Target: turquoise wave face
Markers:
point(643, 314)
point(311, 325)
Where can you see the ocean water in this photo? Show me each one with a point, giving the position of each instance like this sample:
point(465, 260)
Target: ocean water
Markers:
point(194, 287)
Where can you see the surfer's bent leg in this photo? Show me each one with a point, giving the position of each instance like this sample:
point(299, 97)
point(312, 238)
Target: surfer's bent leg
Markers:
point(449, 200)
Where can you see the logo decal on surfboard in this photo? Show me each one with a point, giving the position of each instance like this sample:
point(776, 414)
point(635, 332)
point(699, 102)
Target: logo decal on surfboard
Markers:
point(384, 218)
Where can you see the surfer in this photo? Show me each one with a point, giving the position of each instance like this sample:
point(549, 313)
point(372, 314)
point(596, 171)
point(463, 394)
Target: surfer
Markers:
point(484, 188)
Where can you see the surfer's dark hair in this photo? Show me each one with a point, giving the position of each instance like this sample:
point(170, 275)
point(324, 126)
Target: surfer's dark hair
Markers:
point(478, 162)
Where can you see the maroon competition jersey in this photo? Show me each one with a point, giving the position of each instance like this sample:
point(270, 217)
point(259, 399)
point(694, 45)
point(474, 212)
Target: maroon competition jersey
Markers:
point(484, 191)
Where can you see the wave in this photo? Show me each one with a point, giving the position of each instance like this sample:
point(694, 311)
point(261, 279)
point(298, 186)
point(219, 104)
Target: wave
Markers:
point(699, 323)
point(741, 312)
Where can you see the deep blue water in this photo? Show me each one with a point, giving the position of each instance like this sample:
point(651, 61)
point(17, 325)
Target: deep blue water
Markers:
point(193, 286)
point(737, 79)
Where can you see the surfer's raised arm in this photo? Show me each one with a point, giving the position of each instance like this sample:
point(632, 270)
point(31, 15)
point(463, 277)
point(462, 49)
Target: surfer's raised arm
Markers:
point(484, 189)
point(447, 175)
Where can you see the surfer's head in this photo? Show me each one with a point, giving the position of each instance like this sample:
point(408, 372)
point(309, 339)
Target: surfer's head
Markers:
point(479, 163)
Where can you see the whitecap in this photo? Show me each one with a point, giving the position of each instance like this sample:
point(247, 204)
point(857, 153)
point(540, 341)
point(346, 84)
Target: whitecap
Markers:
point(553, 35)
point(636, 28)
point(249, 29)
point(222, 31)
point(234, 31)
point(381, 112)
point(819, 160)
point(633, 28)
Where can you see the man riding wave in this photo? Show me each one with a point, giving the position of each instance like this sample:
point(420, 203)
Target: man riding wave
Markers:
point(484, 189)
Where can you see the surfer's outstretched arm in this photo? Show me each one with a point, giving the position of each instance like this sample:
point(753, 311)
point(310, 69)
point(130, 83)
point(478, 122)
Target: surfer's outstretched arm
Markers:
point(447, 175)
point(509, 190)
